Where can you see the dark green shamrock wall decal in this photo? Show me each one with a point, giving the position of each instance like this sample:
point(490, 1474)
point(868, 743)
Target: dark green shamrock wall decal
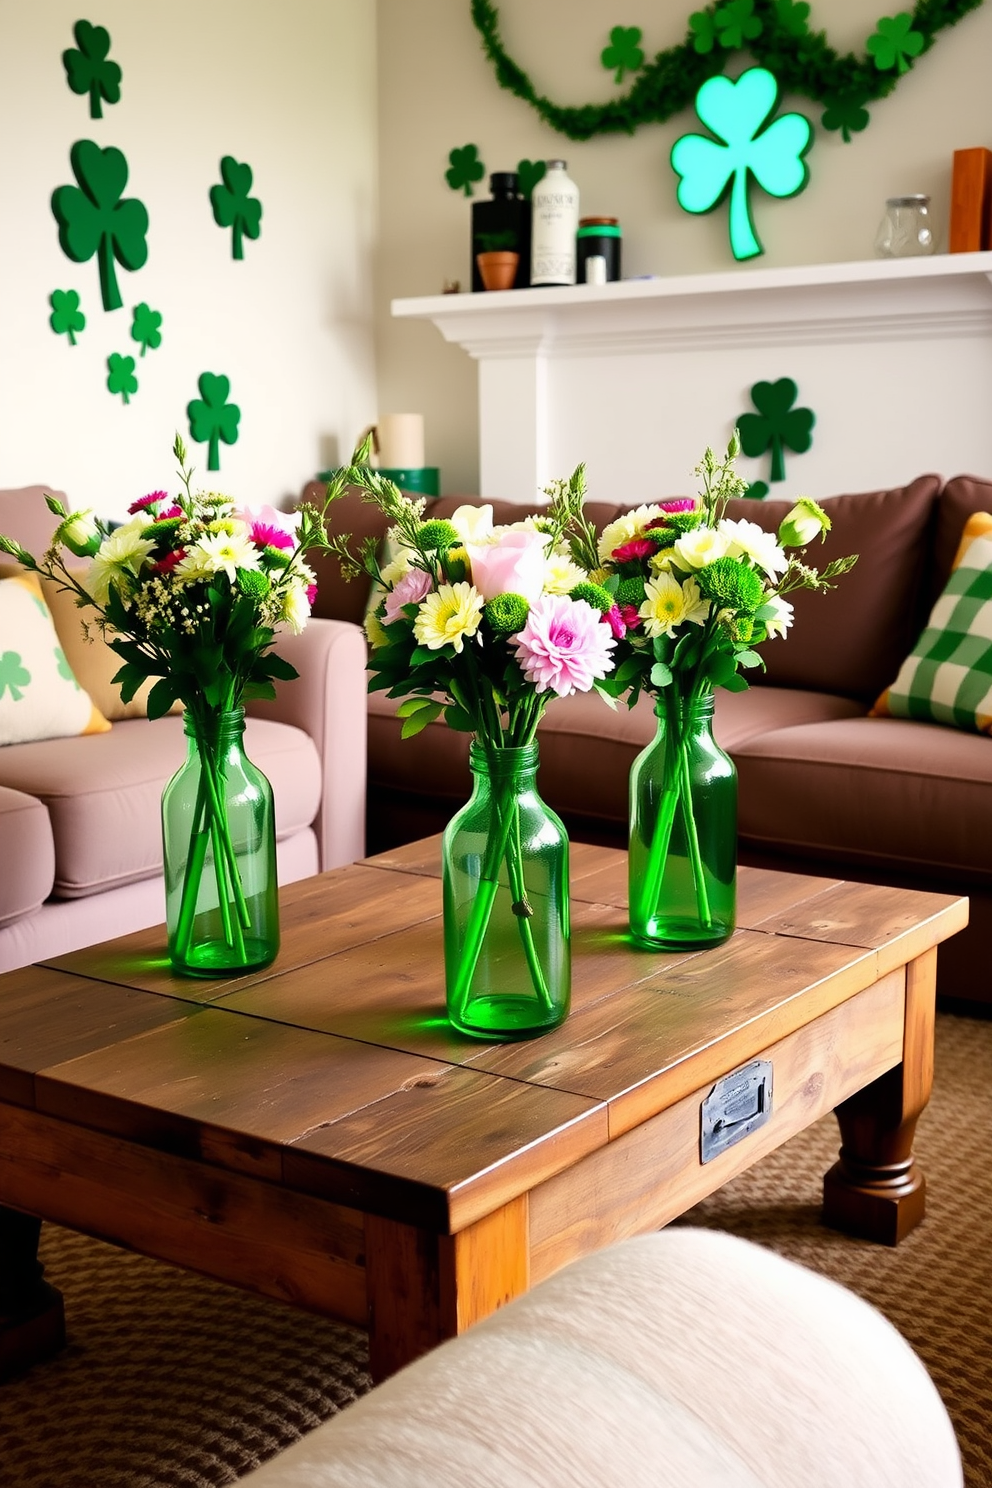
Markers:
point(212, 418)
point(94, 217)
point(89, 70)
point(121, 378)
point(747, 147)
point(529, 172)
point(232, 205)
point(894, 42)
point(757, 490)
point(848, 114)
point(66, 318)
point(623, 53)
point(732, 26)
point(146, 327)
point(777, 424)
point(464, 168)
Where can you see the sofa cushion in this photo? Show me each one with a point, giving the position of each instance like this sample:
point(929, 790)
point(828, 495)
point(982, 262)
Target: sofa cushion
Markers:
point(947, 677)
point(40, 697)
point(587, 749)
point(103, 793)
point(29, 852)
point(851, 640)
point(871, 792)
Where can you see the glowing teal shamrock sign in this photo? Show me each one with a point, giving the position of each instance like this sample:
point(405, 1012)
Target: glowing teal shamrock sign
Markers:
point(747, 146)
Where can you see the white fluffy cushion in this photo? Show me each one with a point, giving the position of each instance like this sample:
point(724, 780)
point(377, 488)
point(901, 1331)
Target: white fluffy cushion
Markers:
point(39, 696)
point(689, 1358)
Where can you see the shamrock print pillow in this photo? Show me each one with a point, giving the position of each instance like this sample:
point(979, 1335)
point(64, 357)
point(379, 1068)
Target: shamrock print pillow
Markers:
point(39, 696)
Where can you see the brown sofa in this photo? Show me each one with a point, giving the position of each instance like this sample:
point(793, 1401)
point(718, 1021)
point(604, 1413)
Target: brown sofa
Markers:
point(823, 787)
point(80, 826)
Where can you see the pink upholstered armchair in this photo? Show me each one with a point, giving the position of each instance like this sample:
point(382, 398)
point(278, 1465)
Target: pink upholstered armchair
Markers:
point(80, 837)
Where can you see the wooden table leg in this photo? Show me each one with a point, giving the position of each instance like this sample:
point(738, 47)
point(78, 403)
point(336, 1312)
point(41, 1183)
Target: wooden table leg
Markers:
point(424, 1287)
point(876, 1190)
point(32, 1318)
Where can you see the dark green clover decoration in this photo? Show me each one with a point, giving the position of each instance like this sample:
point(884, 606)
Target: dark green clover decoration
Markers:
point(529, 172)
point(623, 54)
point(233, 207)
point(776, 425)
point(464, 168)
point(66, 318)
point(731, 26)
point(89, 70)
point(746, 147)
point(793, 16)
point(146, 327)
point(848, 114)
point(894, 43)
point(121, 378)
point(95, 218)
point(757, 490)
point(212, 418)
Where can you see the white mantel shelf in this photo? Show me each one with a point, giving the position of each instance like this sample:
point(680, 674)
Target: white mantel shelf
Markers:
point(658, 351)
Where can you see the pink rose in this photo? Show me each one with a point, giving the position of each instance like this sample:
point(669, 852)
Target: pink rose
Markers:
point(515, 564)
point(414, 586)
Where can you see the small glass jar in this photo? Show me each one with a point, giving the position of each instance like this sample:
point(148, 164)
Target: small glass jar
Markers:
point(905, 231)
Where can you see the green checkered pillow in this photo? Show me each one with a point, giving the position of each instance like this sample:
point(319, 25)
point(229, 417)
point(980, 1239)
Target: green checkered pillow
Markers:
point(947, 677)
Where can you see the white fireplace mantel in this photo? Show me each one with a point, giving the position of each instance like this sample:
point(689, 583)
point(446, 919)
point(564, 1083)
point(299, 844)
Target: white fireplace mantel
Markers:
point(636, 378)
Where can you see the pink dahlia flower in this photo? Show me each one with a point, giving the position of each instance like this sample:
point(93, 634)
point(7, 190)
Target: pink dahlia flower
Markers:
point(414, 586)
point(677, 504)
point(638, 547)
point(269, 528)
point(516, 563)
point(152, 499)
point(564, 647)
point(630, 617)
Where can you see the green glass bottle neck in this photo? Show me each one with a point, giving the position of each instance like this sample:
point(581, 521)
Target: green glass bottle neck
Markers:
point(514, 763)
point(694, 712)
point(216, 729)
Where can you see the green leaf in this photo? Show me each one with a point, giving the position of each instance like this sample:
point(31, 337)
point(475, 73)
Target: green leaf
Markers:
point(661, 675)
point(278, 666)
point(161, 698)
point(416, 722)
point(129, 679)
point(735, 683)
point(456, 718)
point(749, 659)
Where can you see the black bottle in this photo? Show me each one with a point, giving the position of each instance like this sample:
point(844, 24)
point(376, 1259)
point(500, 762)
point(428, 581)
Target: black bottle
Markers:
point(503, 223)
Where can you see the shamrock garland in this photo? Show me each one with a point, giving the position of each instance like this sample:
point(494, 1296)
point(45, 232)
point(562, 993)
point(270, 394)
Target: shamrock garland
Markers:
point(775, 32)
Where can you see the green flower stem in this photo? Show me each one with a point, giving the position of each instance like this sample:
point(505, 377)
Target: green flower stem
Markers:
point(500, 847)
point(692, 837)
point(210, 827)
point(675, 792)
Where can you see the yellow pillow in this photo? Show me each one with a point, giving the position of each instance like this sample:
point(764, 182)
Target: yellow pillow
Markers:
point(93, 661)
point(39, 695)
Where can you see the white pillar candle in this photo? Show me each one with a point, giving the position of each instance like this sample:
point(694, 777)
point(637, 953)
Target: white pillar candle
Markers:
point(400, 438)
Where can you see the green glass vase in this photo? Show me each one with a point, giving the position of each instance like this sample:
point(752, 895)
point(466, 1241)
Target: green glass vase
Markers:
point(682, 858)
point(219, 850)
point(507, 949)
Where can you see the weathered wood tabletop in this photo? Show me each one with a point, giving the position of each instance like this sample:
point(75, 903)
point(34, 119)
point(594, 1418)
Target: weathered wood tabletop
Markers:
point(316, 1131)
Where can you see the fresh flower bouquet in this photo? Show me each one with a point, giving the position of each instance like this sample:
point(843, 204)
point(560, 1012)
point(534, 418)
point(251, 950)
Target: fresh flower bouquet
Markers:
point(696, 594)
point(190, 592)
point(483, 625)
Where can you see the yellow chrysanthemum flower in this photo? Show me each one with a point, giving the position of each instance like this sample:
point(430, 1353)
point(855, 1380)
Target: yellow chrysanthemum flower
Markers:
point(448, 616)
point(375, 632)
point(562, 574)
point(668, 604)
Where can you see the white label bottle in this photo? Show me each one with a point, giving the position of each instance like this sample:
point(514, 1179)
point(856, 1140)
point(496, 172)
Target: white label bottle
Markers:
point(555, 223)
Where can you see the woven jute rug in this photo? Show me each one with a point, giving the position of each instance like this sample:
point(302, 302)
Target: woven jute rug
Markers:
point(169, 1379)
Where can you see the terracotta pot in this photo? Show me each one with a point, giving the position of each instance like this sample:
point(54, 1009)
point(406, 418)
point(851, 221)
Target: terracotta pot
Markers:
point(498, 270)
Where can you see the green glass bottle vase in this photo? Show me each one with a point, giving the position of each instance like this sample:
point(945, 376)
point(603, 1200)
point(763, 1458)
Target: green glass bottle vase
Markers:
point(682, 858)
point(507, 948)
point(219, 849)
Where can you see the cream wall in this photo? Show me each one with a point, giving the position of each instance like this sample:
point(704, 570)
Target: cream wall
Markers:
point(437, 90)
point(288, 87)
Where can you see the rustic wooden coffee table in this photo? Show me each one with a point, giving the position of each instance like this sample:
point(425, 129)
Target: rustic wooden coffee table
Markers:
point(315, 1132)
